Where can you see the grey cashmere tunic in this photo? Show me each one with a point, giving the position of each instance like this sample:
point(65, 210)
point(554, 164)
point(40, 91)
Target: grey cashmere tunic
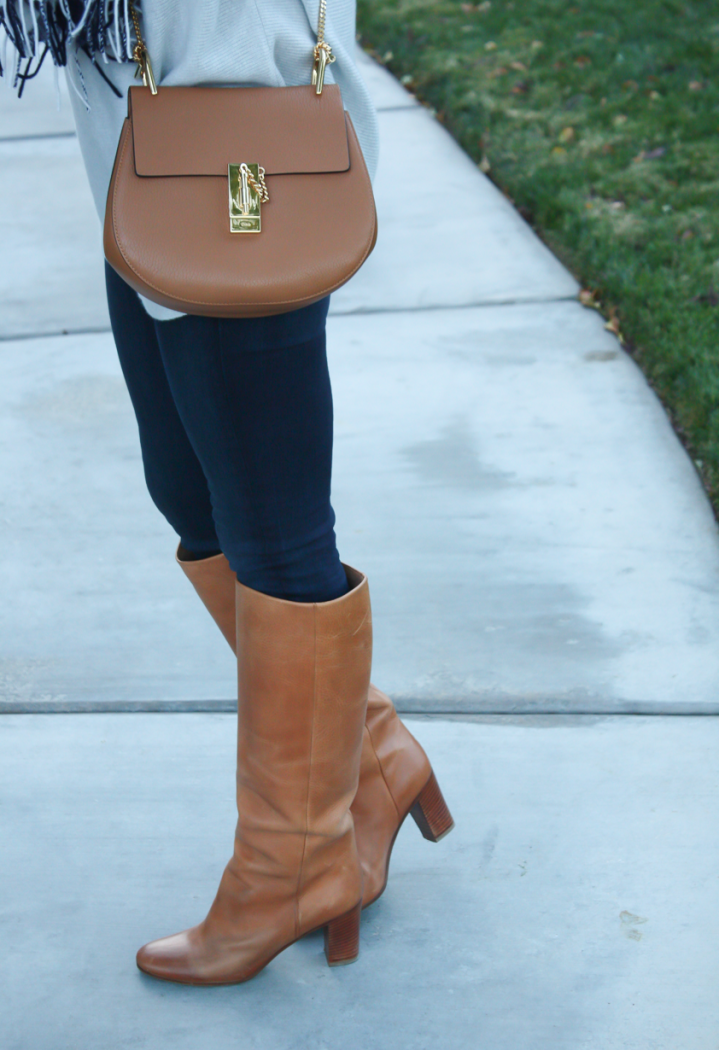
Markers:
point(222, 43)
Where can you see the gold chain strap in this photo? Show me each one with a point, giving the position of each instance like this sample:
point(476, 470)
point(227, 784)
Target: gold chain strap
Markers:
point(142, 55)
point(323, 56)
point(323, 52)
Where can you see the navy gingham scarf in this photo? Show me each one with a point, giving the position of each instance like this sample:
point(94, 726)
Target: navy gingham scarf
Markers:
point(36, 28)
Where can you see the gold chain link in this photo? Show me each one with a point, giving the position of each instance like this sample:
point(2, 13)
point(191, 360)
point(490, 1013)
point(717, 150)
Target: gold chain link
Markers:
point(260, 187)
point(136, 22)
point(321, 23)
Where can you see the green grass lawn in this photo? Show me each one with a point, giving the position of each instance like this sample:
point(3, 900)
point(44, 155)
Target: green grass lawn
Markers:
point(600, 120)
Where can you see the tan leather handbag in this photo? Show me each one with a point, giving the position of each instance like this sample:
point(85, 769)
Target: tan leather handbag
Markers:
point(238, 202)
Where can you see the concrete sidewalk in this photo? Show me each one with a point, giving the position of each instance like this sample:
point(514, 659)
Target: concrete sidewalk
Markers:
point(537, 541)
point(572, 908)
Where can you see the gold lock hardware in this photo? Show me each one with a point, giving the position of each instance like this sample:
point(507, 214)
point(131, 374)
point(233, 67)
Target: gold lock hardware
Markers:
point(248, 192)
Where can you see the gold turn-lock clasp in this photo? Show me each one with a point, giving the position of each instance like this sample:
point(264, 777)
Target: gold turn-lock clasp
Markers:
point(248, 192)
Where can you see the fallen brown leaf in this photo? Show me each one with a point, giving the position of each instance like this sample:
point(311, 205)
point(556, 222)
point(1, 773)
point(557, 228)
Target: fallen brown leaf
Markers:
point(612, 325)
point(588, 298)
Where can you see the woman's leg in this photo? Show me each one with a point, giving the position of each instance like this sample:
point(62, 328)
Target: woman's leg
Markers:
point(256, 402)
point(255, 399)
point(175, 479)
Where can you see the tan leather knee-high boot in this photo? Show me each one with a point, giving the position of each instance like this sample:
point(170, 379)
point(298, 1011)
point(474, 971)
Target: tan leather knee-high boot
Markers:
point(396, 777)
point(303, 676)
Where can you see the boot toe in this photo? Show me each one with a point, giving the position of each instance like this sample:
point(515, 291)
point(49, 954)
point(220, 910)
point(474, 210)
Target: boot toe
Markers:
point(168, 959)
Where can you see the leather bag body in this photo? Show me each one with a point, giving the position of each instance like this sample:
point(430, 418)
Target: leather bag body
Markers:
point(167, 222)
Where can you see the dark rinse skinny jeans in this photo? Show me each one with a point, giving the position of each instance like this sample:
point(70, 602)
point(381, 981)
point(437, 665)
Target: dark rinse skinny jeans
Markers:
point(235, 420)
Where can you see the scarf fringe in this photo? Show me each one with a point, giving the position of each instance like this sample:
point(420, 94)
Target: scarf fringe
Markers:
point(36, 28)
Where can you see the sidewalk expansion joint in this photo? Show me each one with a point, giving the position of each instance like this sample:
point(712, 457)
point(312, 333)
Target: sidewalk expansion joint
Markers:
point(23, 336)
point(362, 312)
point(433, 308)
point(134, 707)
point(43, 136)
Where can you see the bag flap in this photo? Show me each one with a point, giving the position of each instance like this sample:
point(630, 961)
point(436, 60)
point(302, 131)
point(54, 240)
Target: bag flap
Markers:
point(200, 130)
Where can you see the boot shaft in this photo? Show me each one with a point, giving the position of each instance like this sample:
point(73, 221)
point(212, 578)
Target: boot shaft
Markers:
point(303, 679)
